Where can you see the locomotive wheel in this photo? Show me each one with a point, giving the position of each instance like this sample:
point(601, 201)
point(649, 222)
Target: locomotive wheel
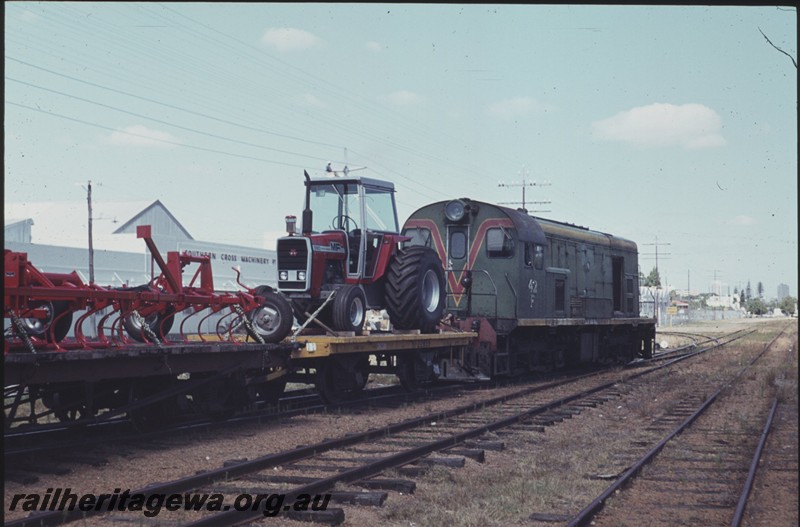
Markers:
point(415, 292)
point(349, 309)
point(342, 379)
point(159, 323)
point(272, 320)
point(41, 328)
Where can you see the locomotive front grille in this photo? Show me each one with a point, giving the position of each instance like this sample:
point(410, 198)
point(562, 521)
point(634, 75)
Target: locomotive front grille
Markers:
point(294, 263)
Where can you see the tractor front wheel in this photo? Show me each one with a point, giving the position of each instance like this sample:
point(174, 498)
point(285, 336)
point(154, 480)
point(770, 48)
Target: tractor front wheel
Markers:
point(349, 309)
point(272, 320)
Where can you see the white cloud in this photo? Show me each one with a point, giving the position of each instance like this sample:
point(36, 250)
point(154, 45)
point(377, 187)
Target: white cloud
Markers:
point(289, 39)
point(510, 109)
point(404, 98)
point(691, 126)
point(373, 46)
point(139, 135)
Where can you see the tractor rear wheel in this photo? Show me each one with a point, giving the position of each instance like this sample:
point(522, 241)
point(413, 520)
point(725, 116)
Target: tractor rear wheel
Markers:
point(415, 292)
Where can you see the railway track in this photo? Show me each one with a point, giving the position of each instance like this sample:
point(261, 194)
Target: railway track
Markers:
point(358, 459)
point(701, 471)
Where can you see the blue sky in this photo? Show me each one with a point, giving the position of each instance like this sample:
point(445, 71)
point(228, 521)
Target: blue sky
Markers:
point(662, 124)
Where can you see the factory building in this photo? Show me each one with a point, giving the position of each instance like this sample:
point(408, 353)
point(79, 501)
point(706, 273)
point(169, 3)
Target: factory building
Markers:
point(55, 237)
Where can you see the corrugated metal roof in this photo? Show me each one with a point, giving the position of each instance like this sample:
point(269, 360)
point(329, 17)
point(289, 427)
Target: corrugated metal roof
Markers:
point(65, 223)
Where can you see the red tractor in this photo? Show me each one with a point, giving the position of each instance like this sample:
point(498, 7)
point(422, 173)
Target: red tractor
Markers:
point(353, 260)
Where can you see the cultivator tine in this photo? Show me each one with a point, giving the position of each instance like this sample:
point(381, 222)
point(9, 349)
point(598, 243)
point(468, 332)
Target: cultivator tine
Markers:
point(200, 325)
point(80, 336)
point(225, 332)
point(195, 311)
point(102, 325)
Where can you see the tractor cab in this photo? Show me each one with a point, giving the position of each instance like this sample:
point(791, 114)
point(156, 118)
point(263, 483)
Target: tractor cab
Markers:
point(347, 241)
point(361, 211)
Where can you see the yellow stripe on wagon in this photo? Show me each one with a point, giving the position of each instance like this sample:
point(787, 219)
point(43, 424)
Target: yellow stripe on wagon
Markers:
point(323, 346)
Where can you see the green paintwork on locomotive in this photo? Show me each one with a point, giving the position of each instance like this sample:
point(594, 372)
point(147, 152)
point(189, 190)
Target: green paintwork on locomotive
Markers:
point(524, 268)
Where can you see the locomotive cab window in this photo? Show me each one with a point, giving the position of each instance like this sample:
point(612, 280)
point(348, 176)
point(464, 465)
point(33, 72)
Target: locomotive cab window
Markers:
point(534, 256)
point(499, 243)
point(418, 237)
point(458, 244)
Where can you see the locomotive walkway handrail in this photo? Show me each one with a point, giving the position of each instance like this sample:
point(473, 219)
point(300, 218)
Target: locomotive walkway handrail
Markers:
point(469, 291)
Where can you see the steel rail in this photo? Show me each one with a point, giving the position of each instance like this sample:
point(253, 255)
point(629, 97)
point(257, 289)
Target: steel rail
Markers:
point(738, 516)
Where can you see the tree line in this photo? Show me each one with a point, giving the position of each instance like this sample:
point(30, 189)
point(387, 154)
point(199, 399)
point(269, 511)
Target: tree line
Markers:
point(750, 302)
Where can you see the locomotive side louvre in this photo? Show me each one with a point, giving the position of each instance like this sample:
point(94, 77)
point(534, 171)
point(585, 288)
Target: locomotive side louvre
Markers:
point(540, 293)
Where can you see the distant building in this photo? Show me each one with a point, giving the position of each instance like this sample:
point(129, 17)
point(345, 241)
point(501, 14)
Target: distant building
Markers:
point(783, 291)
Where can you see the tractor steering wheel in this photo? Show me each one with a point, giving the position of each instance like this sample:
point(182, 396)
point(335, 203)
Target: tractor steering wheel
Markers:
point(344, 222)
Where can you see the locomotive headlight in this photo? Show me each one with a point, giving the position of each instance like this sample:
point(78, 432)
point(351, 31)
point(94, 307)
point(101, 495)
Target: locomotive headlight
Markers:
point(283, 275)
point(455, 210)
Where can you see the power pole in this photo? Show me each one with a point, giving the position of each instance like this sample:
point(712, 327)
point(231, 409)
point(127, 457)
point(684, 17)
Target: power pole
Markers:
point(524, 184)
point(91, 247)
point(656, 307)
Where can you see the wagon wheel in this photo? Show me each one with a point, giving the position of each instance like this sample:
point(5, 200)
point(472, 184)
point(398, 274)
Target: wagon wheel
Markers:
point(55, 326)
point(414, 371)
point(69, 403)
point(158, 413)
point(270, 392)
point(341, 379)
point(222, 397)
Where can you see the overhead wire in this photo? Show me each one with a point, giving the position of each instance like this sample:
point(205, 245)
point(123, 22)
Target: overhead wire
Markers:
point(138, 47)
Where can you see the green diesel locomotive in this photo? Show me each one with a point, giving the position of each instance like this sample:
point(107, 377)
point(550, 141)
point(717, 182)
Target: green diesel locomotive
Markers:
point(541, 294)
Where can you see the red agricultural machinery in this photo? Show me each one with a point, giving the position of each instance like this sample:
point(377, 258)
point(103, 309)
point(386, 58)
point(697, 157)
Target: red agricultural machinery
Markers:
point(41, 306)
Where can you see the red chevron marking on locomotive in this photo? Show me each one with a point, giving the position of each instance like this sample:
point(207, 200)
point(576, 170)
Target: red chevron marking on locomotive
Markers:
point(455, 282)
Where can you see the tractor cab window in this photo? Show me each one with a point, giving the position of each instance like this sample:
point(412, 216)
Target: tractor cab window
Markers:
point(380, 210)
point(336, 206)
point(499, 243)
